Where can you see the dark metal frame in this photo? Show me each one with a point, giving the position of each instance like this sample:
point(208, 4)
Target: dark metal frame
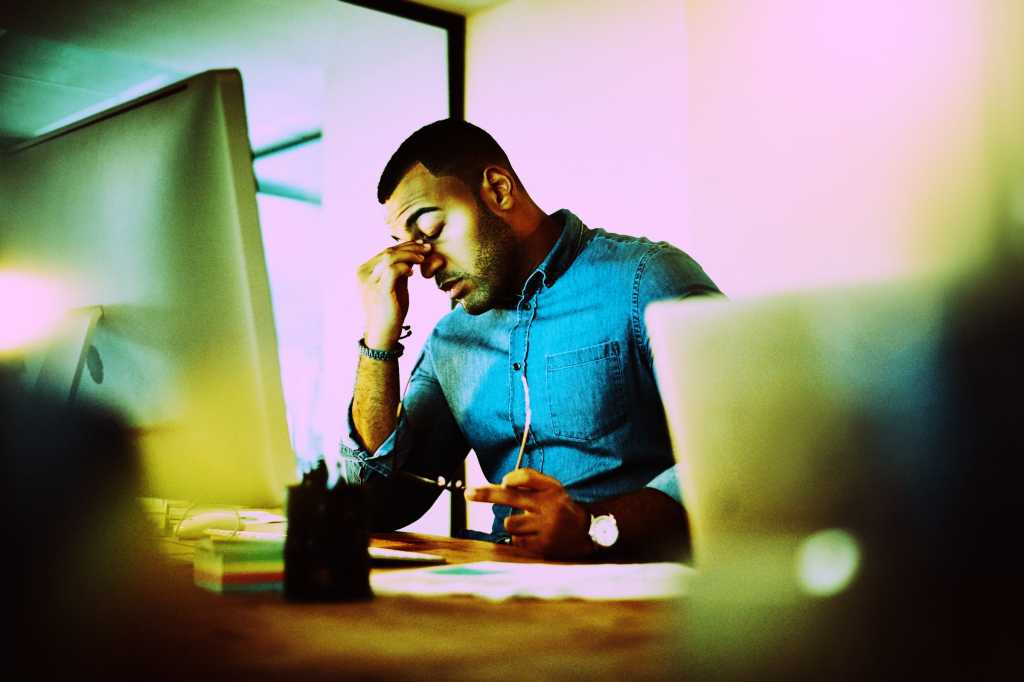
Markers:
point(454, 24)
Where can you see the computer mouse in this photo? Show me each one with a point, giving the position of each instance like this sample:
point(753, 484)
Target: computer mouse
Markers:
point(194, 527)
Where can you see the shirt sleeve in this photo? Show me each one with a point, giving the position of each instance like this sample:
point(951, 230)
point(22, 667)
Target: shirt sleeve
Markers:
point(426, 440)
point(667, 482)
point(667, 273)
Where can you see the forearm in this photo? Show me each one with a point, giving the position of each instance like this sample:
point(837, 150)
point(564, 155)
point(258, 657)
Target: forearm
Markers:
point(651, 524)
point(384, 289)
point(376, 399)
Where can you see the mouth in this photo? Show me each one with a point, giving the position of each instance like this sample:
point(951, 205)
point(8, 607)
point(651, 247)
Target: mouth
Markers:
point(454, 287)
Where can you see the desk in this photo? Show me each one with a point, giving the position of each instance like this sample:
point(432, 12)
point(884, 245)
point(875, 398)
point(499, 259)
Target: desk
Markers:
point(262, 635)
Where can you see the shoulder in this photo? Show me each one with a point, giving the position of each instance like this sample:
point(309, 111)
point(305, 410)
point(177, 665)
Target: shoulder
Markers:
point(660, 264)
point(453, 323)
point(458, 330)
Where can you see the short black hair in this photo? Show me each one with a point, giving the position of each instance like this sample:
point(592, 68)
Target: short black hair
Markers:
point(449, 147)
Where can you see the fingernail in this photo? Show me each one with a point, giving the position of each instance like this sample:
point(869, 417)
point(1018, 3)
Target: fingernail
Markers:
point(470, 493)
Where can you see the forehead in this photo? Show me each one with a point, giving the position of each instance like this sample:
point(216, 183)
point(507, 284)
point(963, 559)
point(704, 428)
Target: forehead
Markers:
point(419, 188)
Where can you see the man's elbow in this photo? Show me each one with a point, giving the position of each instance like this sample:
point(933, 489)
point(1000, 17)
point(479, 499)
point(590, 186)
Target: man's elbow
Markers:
point(395, 503)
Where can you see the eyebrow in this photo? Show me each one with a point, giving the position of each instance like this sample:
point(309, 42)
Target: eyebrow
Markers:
point(411, 220)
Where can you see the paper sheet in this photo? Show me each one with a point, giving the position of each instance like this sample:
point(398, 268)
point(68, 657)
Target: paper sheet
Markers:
point(500, 580)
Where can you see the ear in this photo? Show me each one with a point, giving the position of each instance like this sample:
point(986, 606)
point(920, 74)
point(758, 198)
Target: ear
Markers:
point(497, 188)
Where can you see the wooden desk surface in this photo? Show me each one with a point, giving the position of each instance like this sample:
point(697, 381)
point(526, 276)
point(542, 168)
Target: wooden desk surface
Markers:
point(415, 638)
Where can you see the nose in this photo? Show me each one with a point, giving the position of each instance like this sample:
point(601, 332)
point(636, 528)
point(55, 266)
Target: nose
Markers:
point(430, 266)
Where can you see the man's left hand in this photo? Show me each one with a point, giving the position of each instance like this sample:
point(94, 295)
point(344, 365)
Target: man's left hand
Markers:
point(551, 523)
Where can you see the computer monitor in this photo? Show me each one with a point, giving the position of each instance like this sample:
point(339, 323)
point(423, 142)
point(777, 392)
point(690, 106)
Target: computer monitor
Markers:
point(148, 211)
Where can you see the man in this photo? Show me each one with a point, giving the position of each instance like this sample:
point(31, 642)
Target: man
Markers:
point(549, 329)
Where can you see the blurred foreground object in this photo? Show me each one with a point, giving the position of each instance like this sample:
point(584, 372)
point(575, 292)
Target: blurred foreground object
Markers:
point(325, 553)
point(850, 462)
point(849, 453)
point(86, 579)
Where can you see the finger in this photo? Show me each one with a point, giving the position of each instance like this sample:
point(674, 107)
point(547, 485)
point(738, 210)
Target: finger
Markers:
point(409, 252)
point(530, 543)
point(498, 495)
point(396, 256)
point(391, 274)
point(522, 524)
point(403, 256)
point(530, 479)
point(410, 247)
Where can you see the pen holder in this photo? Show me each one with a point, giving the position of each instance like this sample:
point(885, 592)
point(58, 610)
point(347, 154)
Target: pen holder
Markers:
point(325, 551)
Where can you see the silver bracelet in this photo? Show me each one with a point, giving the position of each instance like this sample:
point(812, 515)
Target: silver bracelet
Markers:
point(375, 354)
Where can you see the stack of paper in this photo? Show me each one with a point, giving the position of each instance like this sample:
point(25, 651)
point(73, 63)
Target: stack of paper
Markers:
point(230, 564)
point(499, 580)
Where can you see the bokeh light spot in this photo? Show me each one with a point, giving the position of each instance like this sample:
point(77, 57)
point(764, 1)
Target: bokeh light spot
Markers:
point(827, 562)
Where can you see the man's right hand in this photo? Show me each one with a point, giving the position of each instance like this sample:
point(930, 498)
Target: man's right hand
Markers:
point(384, 284)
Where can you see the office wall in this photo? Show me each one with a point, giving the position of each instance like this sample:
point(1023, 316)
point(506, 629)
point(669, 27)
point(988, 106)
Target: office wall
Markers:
point(378, 91)
point(785, 145)
point(588, 100)
point(842, 142)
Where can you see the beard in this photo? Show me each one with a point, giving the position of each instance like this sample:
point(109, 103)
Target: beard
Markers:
point(495, 268)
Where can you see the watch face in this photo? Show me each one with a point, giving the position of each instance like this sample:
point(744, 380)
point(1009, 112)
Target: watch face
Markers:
point(604, 531)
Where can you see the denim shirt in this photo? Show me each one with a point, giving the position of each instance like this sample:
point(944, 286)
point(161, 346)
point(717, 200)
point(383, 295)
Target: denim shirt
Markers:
point(577, 333)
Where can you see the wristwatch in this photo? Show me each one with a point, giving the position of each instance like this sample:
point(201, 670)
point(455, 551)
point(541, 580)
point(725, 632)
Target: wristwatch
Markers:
point(604, 531)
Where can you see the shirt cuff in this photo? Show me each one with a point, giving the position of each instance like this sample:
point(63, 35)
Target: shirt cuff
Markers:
point(357, 464)
point(667, 482)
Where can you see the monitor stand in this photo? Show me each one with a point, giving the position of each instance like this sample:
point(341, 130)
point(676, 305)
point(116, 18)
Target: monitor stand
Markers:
point(60, 367)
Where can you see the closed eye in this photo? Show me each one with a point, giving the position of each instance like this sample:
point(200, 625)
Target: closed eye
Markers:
point(432, 237)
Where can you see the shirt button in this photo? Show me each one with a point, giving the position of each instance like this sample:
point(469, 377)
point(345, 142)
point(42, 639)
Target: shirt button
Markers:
point(516, 366)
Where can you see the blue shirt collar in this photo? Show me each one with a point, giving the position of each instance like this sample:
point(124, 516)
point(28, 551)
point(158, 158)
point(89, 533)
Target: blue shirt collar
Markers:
point(562, 254)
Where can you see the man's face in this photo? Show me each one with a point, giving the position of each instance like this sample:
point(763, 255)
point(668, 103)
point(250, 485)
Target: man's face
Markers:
point(474, 257)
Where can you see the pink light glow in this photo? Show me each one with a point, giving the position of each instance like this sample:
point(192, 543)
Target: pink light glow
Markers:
point(31, 309)
point(835, 142)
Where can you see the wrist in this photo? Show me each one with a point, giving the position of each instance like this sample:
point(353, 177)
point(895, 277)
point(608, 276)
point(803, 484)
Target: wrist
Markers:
point(602, 530)
point(587, 548)
point(378, 341)
point(391, 354)
point(388, 339)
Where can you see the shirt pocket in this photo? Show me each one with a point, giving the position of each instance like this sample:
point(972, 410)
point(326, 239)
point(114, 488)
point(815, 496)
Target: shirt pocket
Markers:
point(586, 398)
